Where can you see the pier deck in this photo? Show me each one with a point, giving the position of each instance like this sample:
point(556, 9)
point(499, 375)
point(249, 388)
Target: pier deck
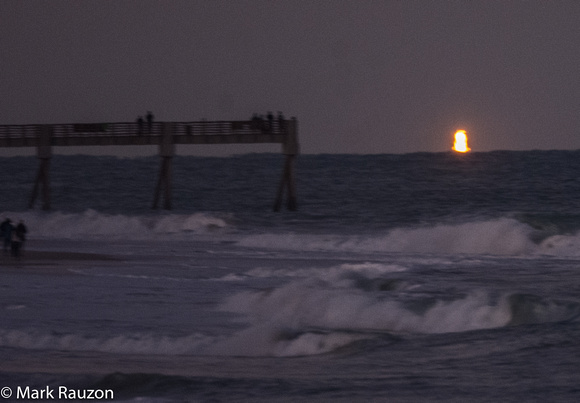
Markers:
point(118, 134)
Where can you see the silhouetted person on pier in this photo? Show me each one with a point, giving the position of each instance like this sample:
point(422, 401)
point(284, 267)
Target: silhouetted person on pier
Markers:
point(149, 118)
point(140, 125)
point(18, 236)
point(6, 229)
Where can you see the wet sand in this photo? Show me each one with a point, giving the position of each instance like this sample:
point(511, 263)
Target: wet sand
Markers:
point(50, 261)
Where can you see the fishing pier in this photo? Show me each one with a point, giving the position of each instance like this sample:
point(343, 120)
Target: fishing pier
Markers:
point(166, 135)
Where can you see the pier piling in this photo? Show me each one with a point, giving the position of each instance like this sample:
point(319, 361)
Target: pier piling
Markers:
point(166, 152)
point(290, 148)
point(44, 154)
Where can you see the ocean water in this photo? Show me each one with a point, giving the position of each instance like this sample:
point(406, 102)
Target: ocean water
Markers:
point(429, 277)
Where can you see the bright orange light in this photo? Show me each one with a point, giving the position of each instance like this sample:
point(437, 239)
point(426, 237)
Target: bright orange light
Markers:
point(460, 144)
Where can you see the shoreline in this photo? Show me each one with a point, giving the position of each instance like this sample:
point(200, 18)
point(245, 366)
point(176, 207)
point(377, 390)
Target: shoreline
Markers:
point(46, 260)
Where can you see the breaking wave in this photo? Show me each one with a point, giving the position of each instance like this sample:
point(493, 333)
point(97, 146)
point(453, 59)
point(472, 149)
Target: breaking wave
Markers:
point(298, 321)
point(505, 236)
point(322, 311)
point(333, 317)
point(92, 224)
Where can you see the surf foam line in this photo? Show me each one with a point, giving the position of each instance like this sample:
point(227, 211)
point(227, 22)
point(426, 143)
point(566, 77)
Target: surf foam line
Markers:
point(345, 272)
point(120, 344)
point(262, 341)
point(92, 224)
point(504, 236)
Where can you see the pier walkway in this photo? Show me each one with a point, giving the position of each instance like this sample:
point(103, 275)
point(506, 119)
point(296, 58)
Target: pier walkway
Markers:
point(108, 134)
point(166, 135)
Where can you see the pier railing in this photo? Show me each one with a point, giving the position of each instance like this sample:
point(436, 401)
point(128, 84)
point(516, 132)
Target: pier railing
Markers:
point(19, 131)
point(133, 133)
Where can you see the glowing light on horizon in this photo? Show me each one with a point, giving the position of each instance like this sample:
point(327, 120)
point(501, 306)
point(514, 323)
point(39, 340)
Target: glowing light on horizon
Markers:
point(460, 144)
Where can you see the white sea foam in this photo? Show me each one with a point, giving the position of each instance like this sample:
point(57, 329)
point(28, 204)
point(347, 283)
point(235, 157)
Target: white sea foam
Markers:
point(561, 245)
point(340, 272)
point(270, 340)
point(497, 237)
point(255, 341)
point(119, 344)
point(503, 236)
point(92, 224)
point(315, 316)
point(302, 320)
point(299, 306)
point(342, 318)
point(330, 309)
point(14, 307)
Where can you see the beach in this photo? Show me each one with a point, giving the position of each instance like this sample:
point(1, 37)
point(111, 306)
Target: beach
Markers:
point(458, 286)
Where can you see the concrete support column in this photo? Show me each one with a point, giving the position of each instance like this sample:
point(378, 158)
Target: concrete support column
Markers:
point(291, 149)
point(287, 182)
point(166, 152)
point(44, 154)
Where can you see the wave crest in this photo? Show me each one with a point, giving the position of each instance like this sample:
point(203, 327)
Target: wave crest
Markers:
point(498, 237)
point(92, 224)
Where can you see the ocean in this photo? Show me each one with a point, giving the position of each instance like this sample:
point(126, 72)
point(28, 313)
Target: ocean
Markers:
point(427, 277)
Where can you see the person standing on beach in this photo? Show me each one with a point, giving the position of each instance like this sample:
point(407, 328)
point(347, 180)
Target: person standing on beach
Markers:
point(6, 229)
point(17, 239)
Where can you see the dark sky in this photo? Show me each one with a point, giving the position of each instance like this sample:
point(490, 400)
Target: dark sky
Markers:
point(361, 76)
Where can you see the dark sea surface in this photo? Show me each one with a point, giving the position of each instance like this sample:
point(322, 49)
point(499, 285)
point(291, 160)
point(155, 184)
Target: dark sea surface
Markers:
point(431, 277)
